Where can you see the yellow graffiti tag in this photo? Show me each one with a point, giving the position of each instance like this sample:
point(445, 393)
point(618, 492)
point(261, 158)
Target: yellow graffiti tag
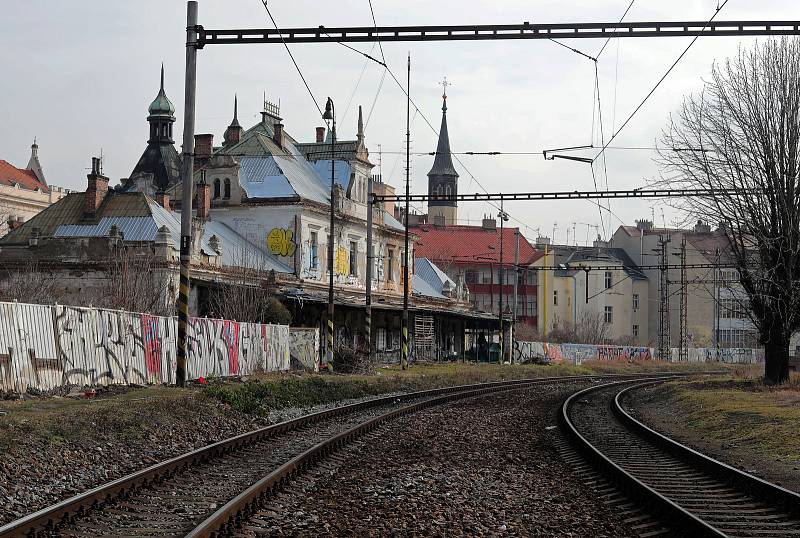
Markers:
point(342, 264)
point(281, 242)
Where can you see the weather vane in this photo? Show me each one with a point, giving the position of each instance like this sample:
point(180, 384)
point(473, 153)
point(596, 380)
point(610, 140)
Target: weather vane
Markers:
point(445, 84)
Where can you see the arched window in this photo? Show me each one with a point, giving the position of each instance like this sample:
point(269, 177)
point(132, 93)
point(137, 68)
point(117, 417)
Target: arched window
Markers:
point(216, 188)
point(227, 188)
point(438, 190)
point(447, 191)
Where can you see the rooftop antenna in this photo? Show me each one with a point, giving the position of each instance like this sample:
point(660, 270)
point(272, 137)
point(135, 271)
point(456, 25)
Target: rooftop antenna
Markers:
point(380, 163)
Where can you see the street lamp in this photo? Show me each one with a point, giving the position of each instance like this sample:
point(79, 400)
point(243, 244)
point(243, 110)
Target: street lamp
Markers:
point(330, 114)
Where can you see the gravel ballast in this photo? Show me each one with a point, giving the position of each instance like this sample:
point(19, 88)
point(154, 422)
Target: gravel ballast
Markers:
point(480, 467)
point(42, 463)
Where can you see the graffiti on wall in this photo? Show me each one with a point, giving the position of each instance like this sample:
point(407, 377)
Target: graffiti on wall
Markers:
point(543, 352)
point(342, 261)
point(45, 347)
point(281, 242)
point(304, 347)
point(577, 353)
point(733, 355)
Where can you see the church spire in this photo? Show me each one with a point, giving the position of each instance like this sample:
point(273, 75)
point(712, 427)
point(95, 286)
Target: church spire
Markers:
point(233, 134)
point(443, 162)
point(235, 122)
point(33, 163)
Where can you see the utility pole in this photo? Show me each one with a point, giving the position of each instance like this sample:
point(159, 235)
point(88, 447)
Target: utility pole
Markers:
point(502, 278)
point(663, 306)
point(516, 288)
point(370, 257)
point(716, 303)
point(404, 350)
point(187, 178)
point(330, 114)
point(544, 295)
point(683, 346)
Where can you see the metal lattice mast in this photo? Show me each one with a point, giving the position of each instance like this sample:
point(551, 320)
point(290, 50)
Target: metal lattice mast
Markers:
point(683, 345)
point(663, 305)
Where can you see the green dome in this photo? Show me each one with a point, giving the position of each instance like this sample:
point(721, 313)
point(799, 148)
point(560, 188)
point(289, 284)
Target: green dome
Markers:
point(161, 105)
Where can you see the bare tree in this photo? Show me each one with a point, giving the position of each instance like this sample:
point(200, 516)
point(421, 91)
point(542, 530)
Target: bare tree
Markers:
point(243, 293)
point(743, 132)
point(136, 281)
point(591, 328)
point(29, 283)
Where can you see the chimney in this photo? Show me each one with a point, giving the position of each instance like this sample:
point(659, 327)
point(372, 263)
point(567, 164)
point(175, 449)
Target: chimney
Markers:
point(203, 199)
point(96, 190)
point(203, 145)
point(14, 222)
point(644, 225)
point(277, 135)
point(163, 199)
point(599, 243)
point(320, 134)
point(541, 241)
point(489, 223)
point(702, 227)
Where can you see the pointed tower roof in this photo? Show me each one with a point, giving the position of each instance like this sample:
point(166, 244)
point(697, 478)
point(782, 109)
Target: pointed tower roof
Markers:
point(235, 122)
point(161, 105)
point(33, 163)
point(360, 134)
point(443, 162)
point(233, 134)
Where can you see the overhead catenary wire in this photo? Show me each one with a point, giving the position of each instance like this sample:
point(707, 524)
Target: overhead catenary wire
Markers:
point(299, 71)
point(663, 77)
point(597, 56)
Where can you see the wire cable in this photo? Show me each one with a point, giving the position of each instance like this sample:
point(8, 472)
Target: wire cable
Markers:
point(615, 27)
point(671, 67)
point(299, 71)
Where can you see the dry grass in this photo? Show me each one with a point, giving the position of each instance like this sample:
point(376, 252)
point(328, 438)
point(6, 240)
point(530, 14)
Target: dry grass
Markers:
point(739, 411)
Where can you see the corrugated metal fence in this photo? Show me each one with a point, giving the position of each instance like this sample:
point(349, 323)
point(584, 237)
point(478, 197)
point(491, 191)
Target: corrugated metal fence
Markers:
point(44, 347)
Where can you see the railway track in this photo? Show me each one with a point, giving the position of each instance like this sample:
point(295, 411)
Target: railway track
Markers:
point(693, 494)
point(209, 491)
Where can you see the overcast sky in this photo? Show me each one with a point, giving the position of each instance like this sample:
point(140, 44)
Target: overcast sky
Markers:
point(79, 76)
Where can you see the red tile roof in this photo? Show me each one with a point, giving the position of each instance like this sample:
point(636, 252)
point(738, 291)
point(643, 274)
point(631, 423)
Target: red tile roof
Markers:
point(471, 245)
point(10, 174)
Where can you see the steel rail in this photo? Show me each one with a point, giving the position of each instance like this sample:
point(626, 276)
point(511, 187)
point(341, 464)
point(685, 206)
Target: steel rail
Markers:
point(473, 32)
point(788, 499)
point(697, 525)
point(626, 481)
point(46, 519)
point(230, 516)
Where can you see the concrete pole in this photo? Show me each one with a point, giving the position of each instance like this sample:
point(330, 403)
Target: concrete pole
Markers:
point(514, 305)
point(331, 238)
point(501, 274)
point(187, 173)
point(370, 259)
point(404, 350)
